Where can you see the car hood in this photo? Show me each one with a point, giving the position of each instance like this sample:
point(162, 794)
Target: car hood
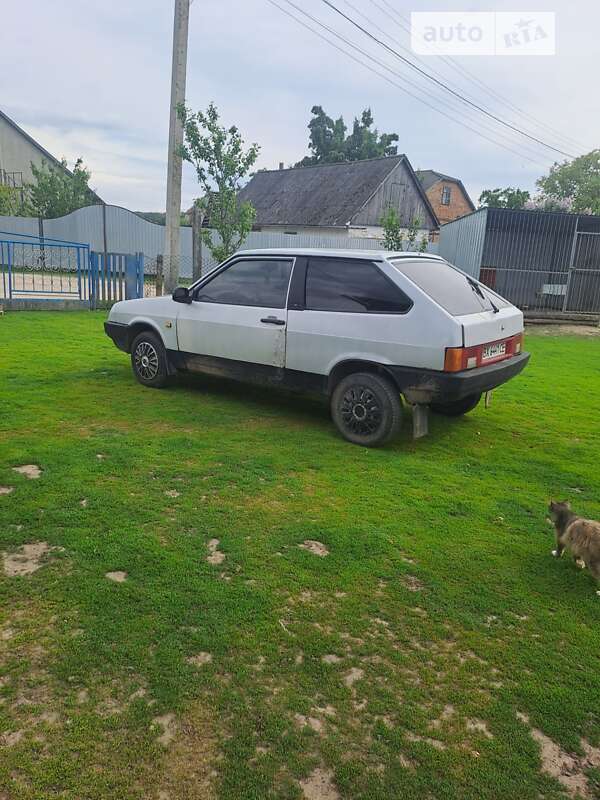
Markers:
point(126, 310)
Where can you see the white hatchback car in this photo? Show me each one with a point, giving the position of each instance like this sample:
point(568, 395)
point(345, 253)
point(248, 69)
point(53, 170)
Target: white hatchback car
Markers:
point(361, 327)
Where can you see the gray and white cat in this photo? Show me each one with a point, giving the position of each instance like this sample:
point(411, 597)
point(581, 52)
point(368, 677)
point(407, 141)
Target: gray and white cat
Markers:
point(581, 537)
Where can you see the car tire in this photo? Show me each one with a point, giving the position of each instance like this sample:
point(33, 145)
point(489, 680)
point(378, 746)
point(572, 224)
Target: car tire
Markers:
point(149, 360)
point(457, 408)
point(366, 409)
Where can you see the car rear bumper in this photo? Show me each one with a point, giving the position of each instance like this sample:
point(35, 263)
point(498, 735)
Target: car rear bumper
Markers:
point(119, 333)
point(426, 386)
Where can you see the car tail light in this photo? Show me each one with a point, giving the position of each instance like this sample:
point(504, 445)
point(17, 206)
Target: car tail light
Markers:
point(458, 359)
point(518, 345)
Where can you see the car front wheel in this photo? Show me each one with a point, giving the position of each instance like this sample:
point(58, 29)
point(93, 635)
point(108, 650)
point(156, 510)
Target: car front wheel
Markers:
point(458, 407)
point(149, 360)
point(366, 409)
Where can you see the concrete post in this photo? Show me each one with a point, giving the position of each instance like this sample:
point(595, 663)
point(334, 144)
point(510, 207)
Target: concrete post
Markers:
point(178, 75)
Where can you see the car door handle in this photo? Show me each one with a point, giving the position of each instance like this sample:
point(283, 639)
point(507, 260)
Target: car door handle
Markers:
point(273, 321)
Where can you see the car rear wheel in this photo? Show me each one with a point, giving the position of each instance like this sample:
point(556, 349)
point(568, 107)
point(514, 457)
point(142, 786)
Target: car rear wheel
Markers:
point(458, 407)
point(149, 360)
point(366, 409)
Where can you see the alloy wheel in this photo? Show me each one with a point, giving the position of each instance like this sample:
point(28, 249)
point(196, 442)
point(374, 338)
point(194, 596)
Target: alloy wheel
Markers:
point(146, 361)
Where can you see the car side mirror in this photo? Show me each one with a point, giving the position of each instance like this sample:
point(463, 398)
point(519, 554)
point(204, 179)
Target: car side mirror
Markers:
point(182, 295)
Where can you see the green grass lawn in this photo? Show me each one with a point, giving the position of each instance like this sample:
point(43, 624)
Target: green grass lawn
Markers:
point(394, 667)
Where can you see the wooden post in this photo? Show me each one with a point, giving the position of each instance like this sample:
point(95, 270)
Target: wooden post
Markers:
point(159, 275)
point(197, 220)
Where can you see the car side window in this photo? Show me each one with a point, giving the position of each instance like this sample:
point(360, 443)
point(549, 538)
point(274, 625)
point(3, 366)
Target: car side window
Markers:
point(249, 282)
point(352, 285)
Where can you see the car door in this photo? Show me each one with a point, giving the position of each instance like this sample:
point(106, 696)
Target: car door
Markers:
point(240, 313)
point(347, 309)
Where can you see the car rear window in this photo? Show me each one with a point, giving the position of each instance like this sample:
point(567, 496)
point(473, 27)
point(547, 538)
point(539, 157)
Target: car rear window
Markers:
point(447, 286)
point(352, 285)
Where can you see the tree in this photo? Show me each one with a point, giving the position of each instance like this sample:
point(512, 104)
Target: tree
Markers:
point(394, 234)
point(392, 230)
point(504, 198)
point(576, 182)
point(160, 218)
point(221, 163)
point(542, 203)
point(56, 191)
point(10, 201)
point(329, 143)
point(366, 143)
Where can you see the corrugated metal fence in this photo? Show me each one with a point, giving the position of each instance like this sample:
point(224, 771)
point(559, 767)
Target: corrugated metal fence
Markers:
point(113, 229)
point(540, 261)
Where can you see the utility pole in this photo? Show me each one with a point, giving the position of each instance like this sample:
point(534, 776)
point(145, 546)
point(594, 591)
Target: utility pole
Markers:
point(178, 72)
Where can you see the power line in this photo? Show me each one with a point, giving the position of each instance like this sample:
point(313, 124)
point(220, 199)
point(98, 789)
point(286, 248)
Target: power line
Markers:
point(402, 22)
point(552, 133)
point(419, 99)
point(476, 131)
point(443, 85)
point(377, 27)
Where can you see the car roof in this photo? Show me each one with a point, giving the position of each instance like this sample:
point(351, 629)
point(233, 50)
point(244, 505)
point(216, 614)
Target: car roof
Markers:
point(373, 255)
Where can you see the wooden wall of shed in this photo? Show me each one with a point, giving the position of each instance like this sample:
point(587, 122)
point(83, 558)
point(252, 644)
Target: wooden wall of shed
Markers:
point(400, 191)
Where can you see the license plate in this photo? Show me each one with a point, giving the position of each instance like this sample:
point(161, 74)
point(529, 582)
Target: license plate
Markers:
point(493, 351)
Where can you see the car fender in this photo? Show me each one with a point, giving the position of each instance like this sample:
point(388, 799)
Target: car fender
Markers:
point(369, 357)
point(167, 335)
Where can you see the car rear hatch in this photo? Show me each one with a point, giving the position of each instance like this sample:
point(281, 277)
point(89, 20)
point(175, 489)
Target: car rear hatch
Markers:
point(489, 326)
point(492, 327)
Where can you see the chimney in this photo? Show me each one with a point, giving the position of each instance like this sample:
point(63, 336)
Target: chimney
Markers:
point(281, 165)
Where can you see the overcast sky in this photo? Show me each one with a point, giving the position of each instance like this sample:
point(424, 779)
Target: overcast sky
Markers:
point(91, 78)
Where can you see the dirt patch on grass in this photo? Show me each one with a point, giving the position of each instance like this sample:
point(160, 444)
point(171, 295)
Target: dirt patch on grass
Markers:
point(353, 675)
point(479, 726)
point(31, 471)
point(11, 738)
point(314, 547)
point(117, 577)
point(563, 330)
point(313, 723)
point(27, 559)
point(168, 727)
point(435, 743)
point(566, 768)
point(215, 556)
point(319, 786)
point(412, 583)
point(330, 658)
point(6, 489)
point(190, 765)
point(447, 713)
point(200, 659)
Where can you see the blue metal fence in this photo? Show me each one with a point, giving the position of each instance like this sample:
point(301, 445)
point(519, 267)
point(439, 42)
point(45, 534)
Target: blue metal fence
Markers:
point(114, 277)
point(43, 268)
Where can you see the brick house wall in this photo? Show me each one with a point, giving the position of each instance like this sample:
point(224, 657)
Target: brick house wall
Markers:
point(459, 204)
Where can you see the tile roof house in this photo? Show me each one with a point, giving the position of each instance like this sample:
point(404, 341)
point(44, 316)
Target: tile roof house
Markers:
point(346, 198)
point(447, 195)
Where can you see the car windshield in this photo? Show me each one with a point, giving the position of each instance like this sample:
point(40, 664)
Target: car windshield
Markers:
point(453, 290)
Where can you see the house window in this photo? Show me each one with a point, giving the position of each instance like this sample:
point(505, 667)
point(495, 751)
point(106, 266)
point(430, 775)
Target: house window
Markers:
point(446, 192)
